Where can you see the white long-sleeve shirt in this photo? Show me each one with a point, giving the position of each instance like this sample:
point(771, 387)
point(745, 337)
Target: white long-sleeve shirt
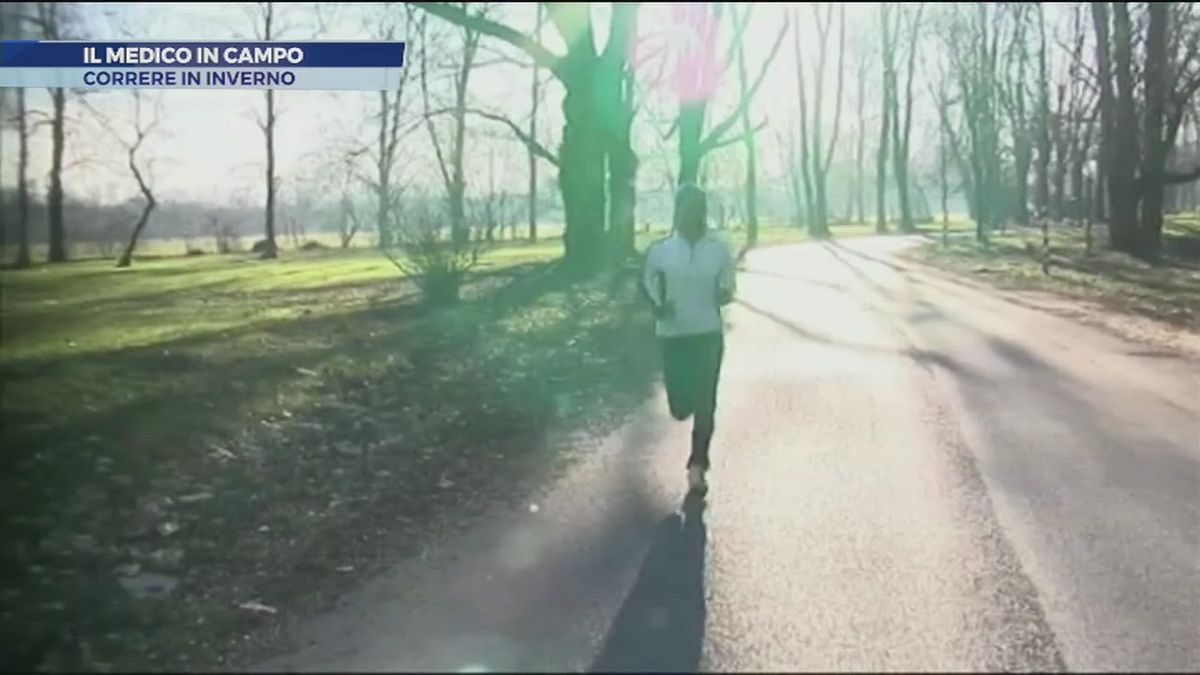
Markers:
point(691, 277)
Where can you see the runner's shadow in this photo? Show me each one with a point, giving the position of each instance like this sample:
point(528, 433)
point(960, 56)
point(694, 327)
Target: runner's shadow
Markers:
point(660, 627)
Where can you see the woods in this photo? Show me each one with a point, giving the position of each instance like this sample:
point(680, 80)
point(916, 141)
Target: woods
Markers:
point(1081, 111)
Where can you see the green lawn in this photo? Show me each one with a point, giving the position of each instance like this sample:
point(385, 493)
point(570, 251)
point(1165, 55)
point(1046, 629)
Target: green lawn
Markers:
point(1168, 291)
point(251, 427)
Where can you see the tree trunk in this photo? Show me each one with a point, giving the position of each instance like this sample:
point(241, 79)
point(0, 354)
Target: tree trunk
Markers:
point(1154, 142)
point(127, 257)
point(944, 180)
point(383, 196)
point(860, 177)
point(581, 178)
point(23, 259)
point(270, 250)
point(1041, 178)
point(751, 152)
point(691, 126)
point(622, 181)
point(615, 76)
point(54, 200)
point(806, 179)
point(1120, 129)
point(903, 130)
point(885, 124)
point(457, 190)
point(534, 96)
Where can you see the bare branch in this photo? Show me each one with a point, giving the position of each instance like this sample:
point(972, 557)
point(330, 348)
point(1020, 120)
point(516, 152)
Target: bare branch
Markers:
point(537, 148)
point(458, 16)
point(739, 137)
point(714, 137)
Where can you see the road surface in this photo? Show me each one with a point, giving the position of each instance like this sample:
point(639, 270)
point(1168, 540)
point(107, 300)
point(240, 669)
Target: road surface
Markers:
point(910, 473)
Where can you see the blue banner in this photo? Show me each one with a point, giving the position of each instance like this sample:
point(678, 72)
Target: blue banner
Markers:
point(82, 54)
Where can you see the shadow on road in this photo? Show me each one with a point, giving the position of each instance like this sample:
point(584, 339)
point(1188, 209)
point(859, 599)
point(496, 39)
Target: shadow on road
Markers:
point(660, 627)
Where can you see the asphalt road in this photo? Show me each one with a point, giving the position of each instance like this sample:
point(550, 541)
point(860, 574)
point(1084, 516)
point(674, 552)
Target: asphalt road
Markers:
point(910, 473)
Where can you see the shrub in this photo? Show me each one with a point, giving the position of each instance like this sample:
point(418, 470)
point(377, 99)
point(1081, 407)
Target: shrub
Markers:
point(425, 254)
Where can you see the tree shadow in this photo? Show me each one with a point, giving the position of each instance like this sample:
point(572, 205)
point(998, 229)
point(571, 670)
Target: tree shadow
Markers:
point(406, 411)
point(660, 626)
point(922, 357)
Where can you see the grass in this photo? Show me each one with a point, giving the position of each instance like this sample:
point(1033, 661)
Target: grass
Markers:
point(1167, 292)
point(250, 428)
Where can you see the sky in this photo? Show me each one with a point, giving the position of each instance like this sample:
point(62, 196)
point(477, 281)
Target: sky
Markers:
point(209, 147)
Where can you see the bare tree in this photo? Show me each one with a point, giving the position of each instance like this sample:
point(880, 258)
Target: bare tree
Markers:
point(902, 123)
point(590, 78)
point(535, 98)
point(1041, 175)
point(51, 19)
point(888, 28)
point(747, 136)
point(452, 169)
point(694, 142)
point(389, 120)
point(820, 154)
point(1135, 147)
point(132, 141)
point(23, 259)
point(265, 31)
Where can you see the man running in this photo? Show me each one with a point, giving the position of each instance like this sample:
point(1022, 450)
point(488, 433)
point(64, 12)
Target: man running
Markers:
point(688, 277)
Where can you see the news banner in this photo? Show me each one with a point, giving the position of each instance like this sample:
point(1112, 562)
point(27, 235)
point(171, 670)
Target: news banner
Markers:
point(366, 66)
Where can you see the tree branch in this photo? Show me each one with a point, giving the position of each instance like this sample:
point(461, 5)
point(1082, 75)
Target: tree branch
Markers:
point(739, 137)
point(537, 148)
point(714, 137)
point(458, 16)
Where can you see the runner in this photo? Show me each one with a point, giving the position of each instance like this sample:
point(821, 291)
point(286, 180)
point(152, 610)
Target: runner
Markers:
point(688, 277)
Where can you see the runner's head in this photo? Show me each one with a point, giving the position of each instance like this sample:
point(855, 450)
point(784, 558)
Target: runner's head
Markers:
point(691, 211)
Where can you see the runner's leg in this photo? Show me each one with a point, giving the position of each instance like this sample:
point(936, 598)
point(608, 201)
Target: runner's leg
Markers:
point(707, 355)
point(678, 376)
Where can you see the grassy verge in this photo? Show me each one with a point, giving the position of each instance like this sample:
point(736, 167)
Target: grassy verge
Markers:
point(1168, 292)
point(267, 432)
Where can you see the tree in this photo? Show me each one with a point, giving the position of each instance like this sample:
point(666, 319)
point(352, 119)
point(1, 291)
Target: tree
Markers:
point(452, 170)
point(887, 31)
point(591, 81)
point(51, 19)
point(265, 12)
point(535, 99)
point(132, 142)
point(902, 130)
point(1041, 173)
point(863, 64)
point(747, 138)
point(389, 120)
point(820, 154)
point(1135, 147)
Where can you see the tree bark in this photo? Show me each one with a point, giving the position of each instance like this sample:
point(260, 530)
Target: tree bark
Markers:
point(54, 200)
point(885, 123)
point(751, 150)
point(535, 99)
point(1041, 178)
point(1119, 124)
point(127, 256)
point(270, 250)
point(23, 259)
point(903, 130)
point(1154, 143)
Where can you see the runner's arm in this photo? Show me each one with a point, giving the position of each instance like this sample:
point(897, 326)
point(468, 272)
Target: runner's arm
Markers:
point(650, 285)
